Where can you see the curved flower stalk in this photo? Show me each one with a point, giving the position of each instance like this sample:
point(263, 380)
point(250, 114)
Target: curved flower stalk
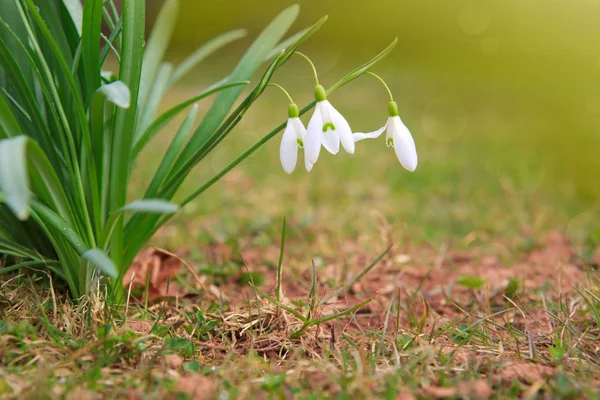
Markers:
point(398, 136)
point(291, 140)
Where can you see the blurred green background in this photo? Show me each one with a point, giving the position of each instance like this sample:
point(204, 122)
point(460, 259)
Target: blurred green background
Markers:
point(502, 98)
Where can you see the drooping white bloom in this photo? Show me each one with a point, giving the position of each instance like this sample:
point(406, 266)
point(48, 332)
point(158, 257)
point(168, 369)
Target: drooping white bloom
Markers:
point(327, 127)
point(398, 136)
point(292, 139)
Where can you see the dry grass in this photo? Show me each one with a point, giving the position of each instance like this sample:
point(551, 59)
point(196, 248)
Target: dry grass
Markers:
point(442, 323)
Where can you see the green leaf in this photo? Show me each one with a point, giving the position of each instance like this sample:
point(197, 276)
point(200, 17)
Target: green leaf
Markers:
point(156, 47)
point(76, 12)
point(204, 51)
point(122, 139)
point(100, 260)
point(471, 281)
point(14, 179)
point(358, 71)
point(17, 250)
point(168, 115)
point(21, 157)
point(90, 44)
point(154, 206)
point(9, 127)
point(247, 66)
point(148, 111)
point(173, 151)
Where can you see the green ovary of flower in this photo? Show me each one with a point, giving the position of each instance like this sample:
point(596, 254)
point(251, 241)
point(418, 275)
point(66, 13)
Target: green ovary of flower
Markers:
point(327, 126)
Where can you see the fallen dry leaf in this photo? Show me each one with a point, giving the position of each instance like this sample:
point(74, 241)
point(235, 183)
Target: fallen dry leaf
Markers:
point(156, 268)
point(196, 386)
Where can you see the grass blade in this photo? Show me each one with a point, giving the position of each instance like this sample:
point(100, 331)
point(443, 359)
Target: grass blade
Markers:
point(168, 115)
point(75, 10)
point(173, 151)
point(249, 63)
point(204, 51)
point(156, 47)
point(355, 279)
point(280, 263)
point(122, 140)
point(90, 44)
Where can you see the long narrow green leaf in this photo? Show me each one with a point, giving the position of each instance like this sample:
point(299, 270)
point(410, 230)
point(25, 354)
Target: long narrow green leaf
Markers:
point(171, 113)
point(14, 179)
point(173, 151)
point(15, 155)
point(247, 66)
point(345, 80)
point(9, 127)
point(15, 249)
point(122, 140)
point(75, 10)
point(153, 206)
point(46, 75)
point(156, 47)
point(10, 12)
point(361, 69)
point(144, 206)
point(100, 260)
point(90, 44)
point(204, 51)
point(158, 90)
point(183, 168)
point(52, 265)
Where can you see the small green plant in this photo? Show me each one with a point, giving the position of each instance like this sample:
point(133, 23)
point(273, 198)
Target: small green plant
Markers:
point(71, 131)
point(313, 304)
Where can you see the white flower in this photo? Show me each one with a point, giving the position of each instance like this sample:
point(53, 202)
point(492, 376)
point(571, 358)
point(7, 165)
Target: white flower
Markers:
point(292, 139)
point(398, 136)
point(327, 127)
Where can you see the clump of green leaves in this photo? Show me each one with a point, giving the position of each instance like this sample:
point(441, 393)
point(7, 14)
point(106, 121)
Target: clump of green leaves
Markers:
point(71, 131)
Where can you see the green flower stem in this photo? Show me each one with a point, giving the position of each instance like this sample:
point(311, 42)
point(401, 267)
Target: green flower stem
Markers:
point(283, 90)
point(380, 79)
point(311, 65)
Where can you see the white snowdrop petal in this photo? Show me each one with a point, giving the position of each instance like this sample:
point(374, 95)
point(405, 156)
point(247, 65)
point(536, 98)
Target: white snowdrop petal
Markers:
point(329, 130)
point(288, 150)
point(358, 136)
point(343, 130)
point(300, 129)
point(331, 141)
point(313, 137)
point(404, 146)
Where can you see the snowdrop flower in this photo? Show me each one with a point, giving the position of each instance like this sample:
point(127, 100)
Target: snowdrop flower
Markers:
point(398, 136)
point(327, 127)
point(292, 139)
